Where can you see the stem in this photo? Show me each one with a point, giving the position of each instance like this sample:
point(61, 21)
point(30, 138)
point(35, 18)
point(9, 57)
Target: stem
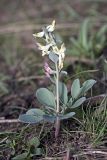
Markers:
point(57, 88)
point(57, 125)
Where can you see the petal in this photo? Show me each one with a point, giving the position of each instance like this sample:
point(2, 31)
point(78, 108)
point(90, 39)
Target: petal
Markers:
point(51, 27)
point(63, 49)
point(55, 49)
point(40, 34)
point(39, 46)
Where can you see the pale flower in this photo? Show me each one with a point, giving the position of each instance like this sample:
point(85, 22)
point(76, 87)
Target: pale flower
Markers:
point(62, 50)
point(61, 59)
point(61, 53)
point(40, 34)
point(44, 49)
point(49, 28)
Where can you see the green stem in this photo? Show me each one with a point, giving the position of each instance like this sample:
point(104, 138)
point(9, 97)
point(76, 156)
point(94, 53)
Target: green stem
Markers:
point(57, 125)
point(57, 88)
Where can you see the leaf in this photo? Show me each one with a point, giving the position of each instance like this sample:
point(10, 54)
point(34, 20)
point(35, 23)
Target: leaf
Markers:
point(30, 118)
point(78, 102)
point(75, 88)
point(35, 112)
point(67, 116)
point(52, 118)
point(38, 152)
point(46, 97)
point(22, 156)
point(34, 142)
point(87, 85)
point(53, 57)
point(63, 93)
point(49, 118)
point(70, 102)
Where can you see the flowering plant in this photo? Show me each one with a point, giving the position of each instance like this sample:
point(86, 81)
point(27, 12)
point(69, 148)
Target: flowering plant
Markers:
point(57, 105)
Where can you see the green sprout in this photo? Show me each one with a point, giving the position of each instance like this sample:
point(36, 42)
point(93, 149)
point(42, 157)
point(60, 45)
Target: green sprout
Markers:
point(57, 105)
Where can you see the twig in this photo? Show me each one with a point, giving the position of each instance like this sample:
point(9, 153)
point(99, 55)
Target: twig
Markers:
point(9, 121)
point(89, 153)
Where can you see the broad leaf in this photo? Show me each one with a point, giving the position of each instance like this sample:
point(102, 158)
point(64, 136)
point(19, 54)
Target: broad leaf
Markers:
point(30, 118)
point(63, 93)
point(52, 118)
point(22, 156)
point(35, 112)
point(49, 118)
point(78, 102)
point(86, 86)
point(36, 152)
point(75, 88)
point(67, 116)
point(70, 102)
point(46, 97)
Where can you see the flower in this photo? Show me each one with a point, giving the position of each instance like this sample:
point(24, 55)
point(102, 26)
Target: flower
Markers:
point(47, 69)
point(49, 28)
point(61, 53)
point(44, 49)
point(40, 34)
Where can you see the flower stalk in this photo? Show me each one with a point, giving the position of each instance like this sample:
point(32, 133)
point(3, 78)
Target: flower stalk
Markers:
point(57, 124)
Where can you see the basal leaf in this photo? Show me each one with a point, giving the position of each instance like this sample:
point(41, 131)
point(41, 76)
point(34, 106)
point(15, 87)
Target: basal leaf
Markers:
point(46, 97)
point(50, 118)
point(86, 86)
point(30, 118)
point(67, 116)
point(78, 102)
point(75, 88)
point(35, 112)
point(22, 156)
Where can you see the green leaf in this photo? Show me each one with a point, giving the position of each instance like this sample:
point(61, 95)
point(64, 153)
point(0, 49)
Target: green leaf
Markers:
point(35, 112)
point(67, 116)
point(75, 89)
point(30, 118)
point(49, 118)
point(78, 102)
point(53, 57)
point(70, 102)
point(46, 97)
point(63, 93)
point(52, 119)
point(38, 152)
point(86, 86)
point(22, 156)
point(34, 142)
